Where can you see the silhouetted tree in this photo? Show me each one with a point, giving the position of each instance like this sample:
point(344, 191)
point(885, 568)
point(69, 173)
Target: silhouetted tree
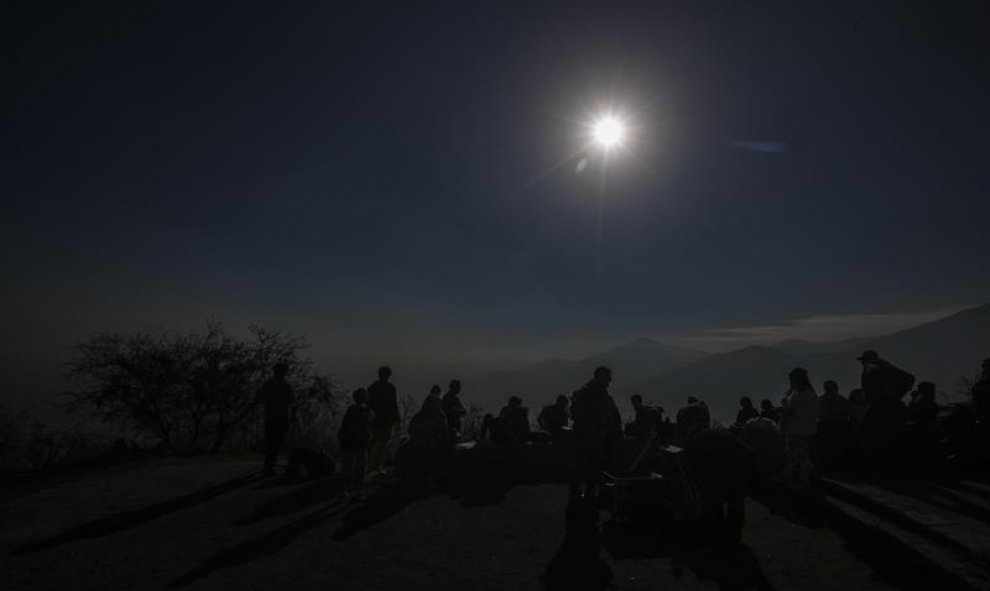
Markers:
point(471, 424)
point(191, 391)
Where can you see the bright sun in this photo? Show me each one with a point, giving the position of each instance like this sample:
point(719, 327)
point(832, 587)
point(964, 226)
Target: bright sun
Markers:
point(608, 132)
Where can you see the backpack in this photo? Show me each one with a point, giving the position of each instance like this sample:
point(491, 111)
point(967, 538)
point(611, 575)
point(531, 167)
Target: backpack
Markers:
point(898, 382)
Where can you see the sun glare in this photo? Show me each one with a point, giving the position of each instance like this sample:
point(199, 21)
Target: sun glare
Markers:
point(608, 132)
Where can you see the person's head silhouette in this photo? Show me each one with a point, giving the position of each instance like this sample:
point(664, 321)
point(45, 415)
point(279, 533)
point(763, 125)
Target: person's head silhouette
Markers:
point(603, 376)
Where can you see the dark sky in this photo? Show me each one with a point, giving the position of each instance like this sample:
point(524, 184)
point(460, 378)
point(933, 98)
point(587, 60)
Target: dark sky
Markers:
point(381, 176)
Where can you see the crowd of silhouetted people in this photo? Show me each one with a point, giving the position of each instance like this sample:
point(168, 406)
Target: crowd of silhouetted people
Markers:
point(889, 422)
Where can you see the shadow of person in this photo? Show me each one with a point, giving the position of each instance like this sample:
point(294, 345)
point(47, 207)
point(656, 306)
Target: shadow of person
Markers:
point(579, 563)
point(266, 545)
point(691, 545)
point(382, 504)
point(486, 481)
point(732, 568)
point(801, 508)
point(129, 519)
point(295, 501)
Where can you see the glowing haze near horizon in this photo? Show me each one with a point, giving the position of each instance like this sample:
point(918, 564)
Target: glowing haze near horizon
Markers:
point(398, 182)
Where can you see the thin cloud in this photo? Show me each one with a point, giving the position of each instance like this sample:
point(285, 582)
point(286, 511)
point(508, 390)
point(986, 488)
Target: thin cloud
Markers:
point(765, 147)
point(822, 328)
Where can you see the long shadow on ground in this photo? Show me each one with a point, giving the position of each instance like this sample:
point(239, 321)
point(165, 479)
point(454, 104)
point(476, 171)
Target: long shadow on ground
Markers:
point(688, 545)
point(130, 519)
point(266, 545)
point(311, 494)
point(385, 501)
point(801, 508)
point(382, 504)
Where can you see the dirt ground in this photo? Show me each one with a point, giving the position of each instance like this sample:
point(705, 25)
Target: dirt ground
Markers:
point(213, 523)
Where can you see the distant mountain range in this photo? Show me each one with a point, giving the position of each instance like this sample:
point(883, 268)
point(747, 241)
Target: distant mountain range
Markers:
point(943, 351)
point(539, 384)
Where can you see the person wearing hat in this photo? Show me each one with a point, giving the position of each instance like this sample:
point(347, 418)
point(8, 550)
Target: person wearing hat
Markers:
point(883, 385)
point(800, 410)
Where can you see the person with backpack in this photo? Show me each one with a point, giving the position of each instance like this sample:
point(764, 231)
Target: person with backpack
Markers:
point(883, 385)
point(596, 425)
point(354, 437)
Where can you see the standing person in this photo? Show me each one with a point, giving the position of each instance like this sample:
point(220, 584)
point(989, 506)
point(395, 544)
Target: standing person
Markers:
point(354, 436)
point(883, 387)
point(835, 428)
point(800, 411)
point(383, 402)
point(833, 407)
point(452, 406)
point(746, 411)
point(858, 407)
point(596, 425)
point(926, 409)
point(430, 437)
point(276, 395)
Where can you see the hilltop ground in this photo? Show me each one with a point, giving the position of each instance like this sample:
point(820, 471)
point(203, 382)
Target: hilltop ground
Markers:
point(211, 523)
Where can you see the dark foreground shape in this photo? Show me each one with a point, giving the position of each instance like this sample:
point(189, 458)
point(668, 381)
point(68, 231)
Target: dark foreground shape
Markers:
point(579, 564)
point(940, 527)
point(129, 519)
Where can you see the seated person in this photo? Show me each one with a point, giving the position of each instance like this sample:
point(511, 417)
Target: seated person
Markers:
point(647, 421)
point(554, 418)
point(513, 422)
point(746, 412)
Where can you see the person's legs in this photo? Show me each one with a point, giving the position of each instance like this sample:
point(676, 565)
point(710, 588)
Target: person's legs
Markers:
point(804, 462)
point(348, 469)
point(379, 444)
point(788, 474)
point(360, 467)
point(274, 436)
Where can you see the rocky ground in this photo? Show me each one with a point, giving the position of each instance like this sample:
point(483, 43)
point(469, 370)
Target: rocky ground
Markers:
point(213, 523)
